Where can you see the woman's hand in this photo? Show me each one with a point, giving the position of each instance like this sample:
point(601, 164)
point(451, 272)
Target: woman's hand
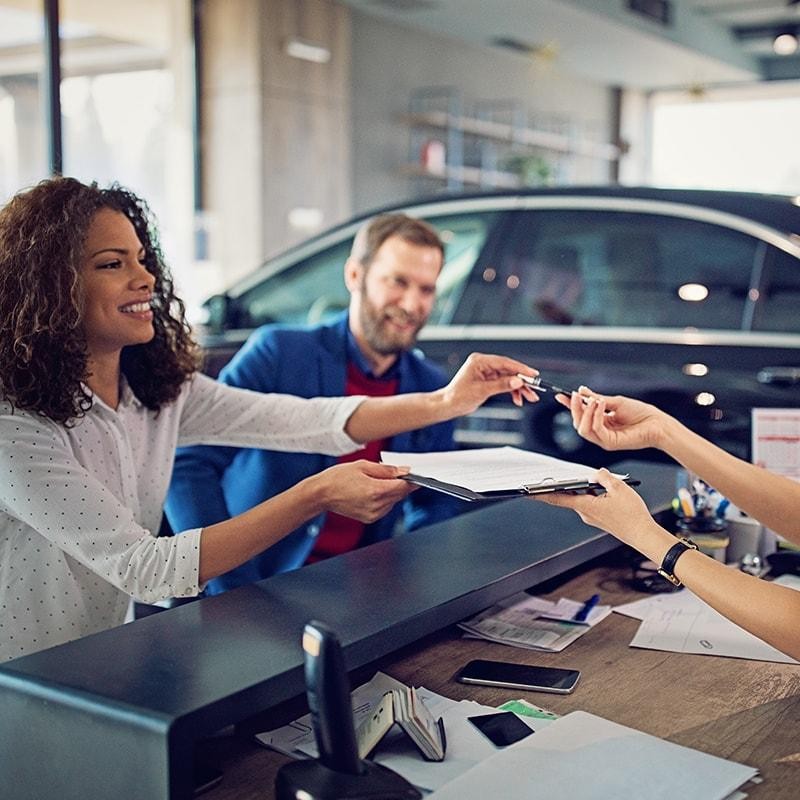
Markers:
point(481, 376)
point(620, 511)
point(362, 490)
point(615, 423)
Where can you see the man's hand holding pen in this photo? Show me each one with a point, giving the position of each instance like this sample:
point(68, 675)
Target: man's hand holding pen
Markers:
point(481, 376)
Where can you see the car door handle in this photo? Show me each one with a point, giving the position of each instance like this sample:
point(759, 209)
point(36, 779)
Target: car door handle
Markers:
point(779, 376)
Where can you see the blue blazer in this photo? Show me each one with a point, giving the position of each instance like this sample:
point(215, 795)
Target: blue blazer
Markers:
point(211, 484)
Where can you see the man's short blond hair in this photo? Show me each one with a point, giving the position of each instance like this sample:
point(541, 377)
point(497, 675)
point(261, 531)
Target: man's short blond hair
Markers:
point(375, 231)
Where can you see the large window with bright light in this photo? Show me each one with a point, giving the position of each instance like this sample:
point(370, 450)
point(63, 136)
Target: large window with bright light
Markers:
point(744, 139)
point(127, 93)
point(23, 158)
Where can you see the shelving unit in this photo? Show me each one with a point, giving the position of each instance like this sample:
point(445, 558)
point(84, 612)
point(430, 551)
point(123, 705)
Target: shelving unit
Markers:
point(473, 142)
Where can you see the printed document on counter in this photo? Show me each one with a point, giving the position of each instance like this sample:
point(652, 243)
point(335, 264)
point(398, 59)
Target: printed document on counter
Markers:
point(533, 622)
point(683, 623)
point(584, 757)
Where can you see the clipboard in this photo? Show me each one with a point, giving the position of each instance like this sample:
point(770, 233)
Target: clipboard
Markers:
point(463, 493)
point(497, 473)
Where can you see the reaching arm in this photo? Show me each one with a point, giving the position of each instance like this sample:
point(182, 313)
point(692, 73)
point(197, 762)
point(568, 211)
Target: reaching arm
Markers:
point(480, 377)
point(771, 499)
point(360, 489)
point(767, 610)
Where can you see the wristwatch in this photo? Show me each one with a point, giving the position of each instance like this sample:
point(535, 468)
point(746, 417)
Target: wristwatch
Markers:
point(667, 568)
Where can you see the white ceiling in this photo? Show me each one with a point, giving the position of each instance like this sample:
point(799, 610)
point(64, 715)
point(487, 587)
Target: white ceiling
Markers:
point(707, 43)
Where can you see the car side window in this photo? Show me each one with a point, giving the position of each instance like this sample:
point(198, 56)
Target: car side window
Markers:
point(312, 290)
point(464, 236)
point(779, 296)
point(594, 267)
point(309, 291)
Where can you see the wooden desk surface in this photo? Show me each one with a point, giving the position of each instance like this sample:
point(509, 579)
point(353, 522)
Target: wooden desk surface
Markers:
point(747, 711)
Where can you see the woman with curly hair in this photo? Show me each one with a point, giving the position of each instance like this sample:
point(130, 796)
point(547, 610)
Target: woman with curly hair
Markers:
point(98, 385)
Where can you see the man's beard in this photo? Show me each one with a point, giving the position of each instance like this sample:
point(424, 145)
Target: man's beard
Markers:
point(376, 325)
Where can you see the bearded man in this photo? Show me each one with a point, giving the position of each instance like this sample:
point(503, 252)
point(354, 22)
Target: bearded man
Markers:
point(369, 350)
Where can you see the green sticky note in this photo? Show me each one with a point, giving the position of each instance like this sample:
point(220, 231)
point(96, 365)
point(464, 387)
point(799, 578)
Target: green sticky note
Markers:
point(526, 709)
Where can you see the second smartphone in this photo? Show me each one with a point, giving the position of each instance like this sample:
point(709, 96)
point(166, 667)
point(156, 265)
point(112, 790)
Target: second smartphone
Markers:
point(519, 676)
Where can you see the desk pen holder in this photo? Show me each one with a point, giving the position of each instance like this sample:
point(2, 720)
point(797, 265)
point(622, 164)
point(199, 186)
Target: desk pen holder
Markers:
point(701, 524)
point(709, 533)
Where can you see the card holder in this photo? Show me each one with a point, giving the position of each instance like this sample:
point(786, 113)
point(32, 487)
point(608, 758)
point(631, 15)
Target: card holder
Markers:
point(406, 708)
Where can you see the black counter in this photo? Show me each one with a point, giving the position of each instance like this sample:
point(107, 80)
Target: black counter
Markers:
point(116, 715)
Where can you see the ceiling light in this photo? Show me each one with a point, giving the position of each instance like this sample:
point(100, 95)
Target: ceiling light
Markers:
point(697, 370)
point(705, 399)
point(693, 292)
point(785, 43)
point(307, 51)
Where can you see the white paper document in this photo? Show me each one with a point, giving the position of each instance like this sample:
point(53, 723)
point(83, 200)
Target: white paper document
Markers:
point(494, 469)
point(466, 746)
point(683, 623)
point(533, 622)
point(584, 757)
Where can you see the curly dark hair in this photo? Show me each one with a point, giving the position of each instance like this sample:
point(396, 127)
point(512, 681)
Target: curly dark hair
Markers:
point(43, 352)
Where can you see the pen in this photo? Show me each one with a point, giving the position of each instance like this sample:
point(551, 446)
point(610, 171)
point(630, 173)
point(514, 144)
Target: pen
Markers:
point(586, 608)
point(687, 504)
point(539, 385)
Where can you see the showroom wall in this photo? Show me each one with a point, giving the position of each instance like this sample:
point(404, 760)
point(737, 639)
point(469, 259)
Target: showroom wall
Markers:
point(276, 129)
point(292, 147)
point(390, 62)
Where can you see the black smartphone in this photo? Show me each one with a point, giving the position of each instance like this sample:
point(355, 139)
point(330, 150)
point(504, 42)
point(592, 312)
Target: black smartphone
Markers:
point(501, 729)
point(519, 676)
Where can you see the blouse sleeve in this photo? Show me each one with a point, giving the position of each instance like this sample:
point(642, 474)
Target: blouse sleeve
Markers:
point(44, 487)
point(214, 413)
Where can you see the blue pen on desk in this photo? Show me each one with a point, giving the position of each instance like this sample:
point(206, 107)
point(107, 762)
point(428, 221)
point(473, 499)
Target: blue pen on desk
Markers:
point(586, 608)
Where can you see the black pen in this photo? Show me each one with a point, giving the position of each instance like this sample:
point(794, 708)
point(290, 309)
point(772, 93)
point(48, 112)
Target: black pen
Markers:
point(540, 385)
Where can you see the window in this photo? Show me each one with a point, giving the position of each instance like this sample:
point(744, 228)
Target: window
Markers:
point(126, 99)
point(779, 297)
point(615, 268)
point(23, 150)
point(313, 289)
point(309, 291)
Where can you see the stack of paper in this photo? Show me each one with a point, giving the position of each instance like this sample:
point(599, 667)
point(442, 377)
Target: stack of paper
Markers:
point(533, 623)
point(493, 473)
point(683, 623)
point(579, 756)
point(584, 757)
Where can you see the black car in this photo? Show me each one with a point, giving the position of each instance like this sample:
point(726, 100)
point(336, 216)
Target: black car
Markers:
point(687, 299)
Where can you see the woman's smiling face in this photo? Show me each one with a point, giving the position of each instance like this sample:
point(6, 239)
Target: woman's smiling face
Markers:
point(118, 289)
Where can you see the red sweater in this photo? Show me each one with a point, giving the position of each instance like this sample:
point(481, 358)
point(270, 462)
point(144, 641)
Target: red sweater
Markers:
point(341, 534)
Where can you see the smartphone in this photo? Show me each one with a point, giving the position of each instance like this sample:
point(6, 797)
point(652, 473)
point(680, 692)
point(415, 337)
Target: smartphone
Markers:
point(520, 676)
point(501, 729)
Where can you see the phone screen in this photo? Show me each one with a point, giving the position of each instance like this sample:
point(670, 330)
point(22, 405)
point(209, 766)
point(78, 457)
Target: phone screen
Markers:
point(501, 729)
point(519, 676)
